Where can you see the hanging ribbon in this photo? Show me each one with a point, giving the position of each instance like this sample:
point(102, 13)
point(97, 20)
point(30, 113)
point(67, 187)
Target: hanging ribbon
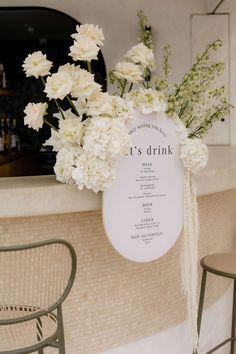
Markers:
point(194, 155)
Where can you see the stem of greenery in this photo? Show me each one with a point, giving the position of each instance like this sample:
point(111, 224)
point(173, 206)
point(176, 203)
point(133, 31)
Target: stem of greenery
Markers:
point(123, 88)
point(48, 123)
point(89, 66)
point(72, 105)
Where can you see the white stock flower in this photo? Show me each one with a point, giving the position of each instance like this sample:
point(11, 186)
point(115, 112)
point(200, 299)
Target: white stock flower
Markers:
point(84, 48)
point(106, 138)
point(194, 154)
point(36, 64)
point(65, 162)
point(123, 110)
point(128, 71)
point(93, 173)
point(34, 115)
point(141, 55)
point(90, 31)
point(99, 104)
point(148, 100)
point(58, 85)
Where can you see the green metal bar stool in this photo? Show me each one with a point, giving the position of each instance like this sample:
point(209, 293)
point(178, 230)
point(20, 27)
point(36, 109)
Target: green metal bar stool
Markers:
point(35, 279)
point(224, 265)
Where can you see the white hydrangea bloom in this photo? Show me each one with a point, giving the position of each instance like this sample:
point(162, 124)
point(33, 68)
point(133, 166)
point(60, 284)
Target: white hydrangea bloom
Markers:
point(129, 71)
point(141, 55)
point(194, 154)
point(106, 138)
point(93, 173)
point(123, 110)
point(148, 100)
point(99, 104)
point(34, 115)
point(58, 85)
point(36, 64)
point(65, 162)
point(84, 49)
point(90, 31)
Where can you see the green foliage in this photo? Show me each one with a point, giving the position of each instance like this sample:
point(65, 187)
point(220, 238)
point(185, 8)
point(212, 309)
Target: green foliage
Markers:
point(145, 34)
point(197, 100)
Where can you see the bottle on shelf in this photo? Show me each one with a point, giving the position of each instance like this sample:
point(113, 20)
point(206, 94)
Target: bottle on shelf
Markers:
point(1, 139)
point(3, 84)
point(14, 137)
point(6, 135)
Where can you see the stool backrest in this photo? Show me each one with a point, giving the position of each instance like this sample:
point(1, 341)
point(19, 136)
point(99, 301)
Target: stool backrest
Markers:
point(35, 278)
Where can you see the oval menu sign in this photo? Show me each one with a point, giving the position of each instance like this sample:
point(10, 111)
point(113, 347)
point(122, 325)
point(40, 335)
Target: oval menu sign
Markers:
point(143, 210)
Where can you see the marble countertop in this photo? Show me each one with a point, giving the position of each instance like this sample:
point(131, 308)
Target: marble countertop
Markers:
point(43, 195)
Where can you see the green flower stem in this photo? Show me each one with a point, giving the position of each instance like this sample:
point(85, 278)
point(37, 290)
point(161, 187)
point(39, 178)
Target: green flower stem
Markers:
point(48, 123)
point(131, 86)
point(56, 103)
point(72, 105)
point(182, 109)
point(192, 69)
point(89, 66)
point(123, 88)
point(190, 122)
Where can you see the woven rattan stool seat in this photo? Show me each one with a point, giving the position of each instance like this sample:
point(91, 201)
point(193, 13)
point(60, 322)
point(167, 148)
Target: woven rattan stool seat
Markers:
point(35, 279)
point(221, 264)
point(22, 335)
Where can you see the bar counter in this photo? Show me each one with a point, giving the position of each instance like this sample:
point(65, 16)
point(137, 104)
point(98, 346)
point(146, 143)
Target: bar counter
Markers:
point(132, 307)
point(43, 195)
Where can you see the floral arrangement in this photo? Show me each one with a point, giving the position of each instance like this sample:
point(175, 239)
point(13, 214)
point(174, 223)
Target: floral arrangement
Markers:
point(92, 134)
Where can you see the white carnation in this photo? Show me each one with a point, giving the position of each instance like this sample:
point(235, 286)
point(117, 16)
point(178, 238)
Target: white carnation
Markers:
point(128, 71)
point(141, 55)
point(54, 140)
point(65, 162)
point(194, 154)
point(148, 100)
point(90, 31)
point(34, 115)
point(99, 104)
point(84, 84)
point(106, 138)
point(93, 173)
point(69, 134)
point(83, 81)
point(36, 64)
point(84, 49)
point(71, 131)
point(58, 85)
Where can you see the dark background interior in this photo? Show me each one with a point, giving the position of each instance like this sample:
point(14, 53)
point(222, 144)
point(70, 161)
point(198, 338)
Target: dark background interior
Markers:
point(24, 30)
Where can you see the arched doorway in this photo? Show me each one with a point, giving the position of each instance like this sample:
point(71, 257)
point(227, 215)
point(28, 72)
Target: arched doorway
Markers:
point(24, 30)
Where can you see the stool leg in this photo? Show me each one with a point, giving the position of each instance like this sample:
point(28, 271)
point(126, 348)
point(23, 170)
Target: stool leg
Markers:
point(201, 301)
point(233, 319)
